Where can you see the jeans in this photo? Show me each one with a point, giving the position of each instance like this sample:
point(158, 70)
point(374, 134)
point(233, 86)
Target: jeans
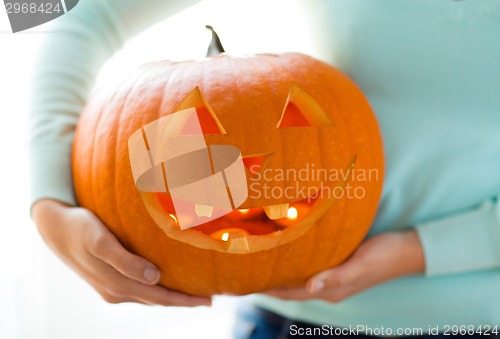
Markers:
point(256, 323)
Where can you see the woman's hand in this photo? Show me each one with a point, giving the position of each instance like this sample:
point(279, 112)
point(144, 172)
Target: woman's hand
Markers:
point(379, 259)
point(84, 243)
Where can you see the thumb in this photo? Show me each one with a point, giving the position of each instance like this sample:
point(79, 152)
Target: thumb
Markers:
point(108, 249)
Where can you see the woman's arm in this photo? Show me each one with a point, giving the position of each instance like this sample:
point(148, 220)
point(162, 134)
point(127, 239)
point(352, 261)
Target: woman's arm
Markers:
point(378, 260)
point(463, 242)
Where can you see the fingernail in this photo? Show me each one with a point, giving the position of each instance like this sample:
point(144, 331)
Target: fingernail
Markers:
point(316, 286)
point(207, 303)
point(151, 274)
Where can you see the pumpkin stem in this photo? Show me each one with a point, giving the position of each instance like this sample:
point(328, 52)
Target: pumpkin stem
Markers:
point(215, 46)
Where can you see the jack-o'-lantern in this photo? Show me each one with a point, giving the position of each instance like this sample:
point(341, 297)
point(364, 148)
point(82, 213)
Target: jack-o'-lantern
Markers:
point(309, 146)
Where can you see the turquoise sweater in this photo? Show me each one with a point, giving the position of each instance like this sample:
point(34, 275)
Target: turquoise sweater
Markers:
point(431, 71)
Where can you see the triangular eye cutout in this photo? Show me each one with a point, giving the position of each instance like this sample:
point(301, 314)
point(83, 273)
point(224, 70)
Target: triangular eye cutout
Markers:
point(256, 163)
point(301, 110)
point(293, 117)
point(208, 121)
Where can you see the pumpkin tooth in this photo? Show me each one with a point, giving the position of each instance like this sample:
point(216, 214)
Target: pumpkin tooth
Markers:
point(276, 211)
point(238, 244)
point(203, 210)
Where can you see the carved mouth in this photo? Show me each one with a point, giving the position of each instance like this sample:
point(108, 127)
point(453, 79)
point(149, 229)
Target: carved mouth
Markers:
point(258, 220)
point(246, 221)
point(244, 230)
point(234, 229)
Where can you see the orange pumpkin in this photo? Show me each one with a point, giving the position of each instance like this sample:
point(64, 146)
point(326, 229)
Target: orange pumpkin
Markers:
point(286, 113)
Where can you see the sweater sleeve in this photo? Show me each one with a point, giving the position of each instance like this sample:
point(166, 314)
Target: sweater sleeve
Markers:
point(75, 48)
point(464, 242)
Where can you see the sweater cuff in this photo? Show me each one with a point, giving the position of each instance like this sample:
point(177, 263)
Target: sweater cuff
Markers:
point(463, 242)
point(50, 173)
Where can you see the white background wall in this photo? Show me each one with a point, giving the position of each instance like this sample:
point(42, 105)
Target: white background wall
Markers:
point(39, 296)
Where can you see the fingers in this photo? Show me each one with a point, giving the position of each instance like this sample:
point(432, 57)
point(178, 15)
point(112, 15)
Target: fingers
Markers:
point(126, 290)
point(332, 285)
point(135, 273)
point(336, 278)
point(299, 294)
point(107, 248)
point(290, 293)
point(161, 296)
point(96, 254)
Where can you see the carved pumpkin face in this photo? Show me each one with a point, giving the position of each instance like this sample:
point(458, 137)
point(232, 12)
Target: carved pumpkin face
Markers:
point(305, 133)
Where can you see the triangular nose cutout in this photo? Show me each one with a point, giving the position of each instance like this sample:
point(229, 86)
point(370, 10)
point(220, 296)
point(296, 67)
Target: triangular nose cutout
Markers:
point(256, 163)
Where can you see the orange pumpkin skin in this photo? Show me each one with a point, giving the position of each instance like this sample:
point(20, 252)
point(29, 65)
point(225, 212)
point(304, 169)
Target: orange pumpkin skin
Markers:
point(248, 95)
